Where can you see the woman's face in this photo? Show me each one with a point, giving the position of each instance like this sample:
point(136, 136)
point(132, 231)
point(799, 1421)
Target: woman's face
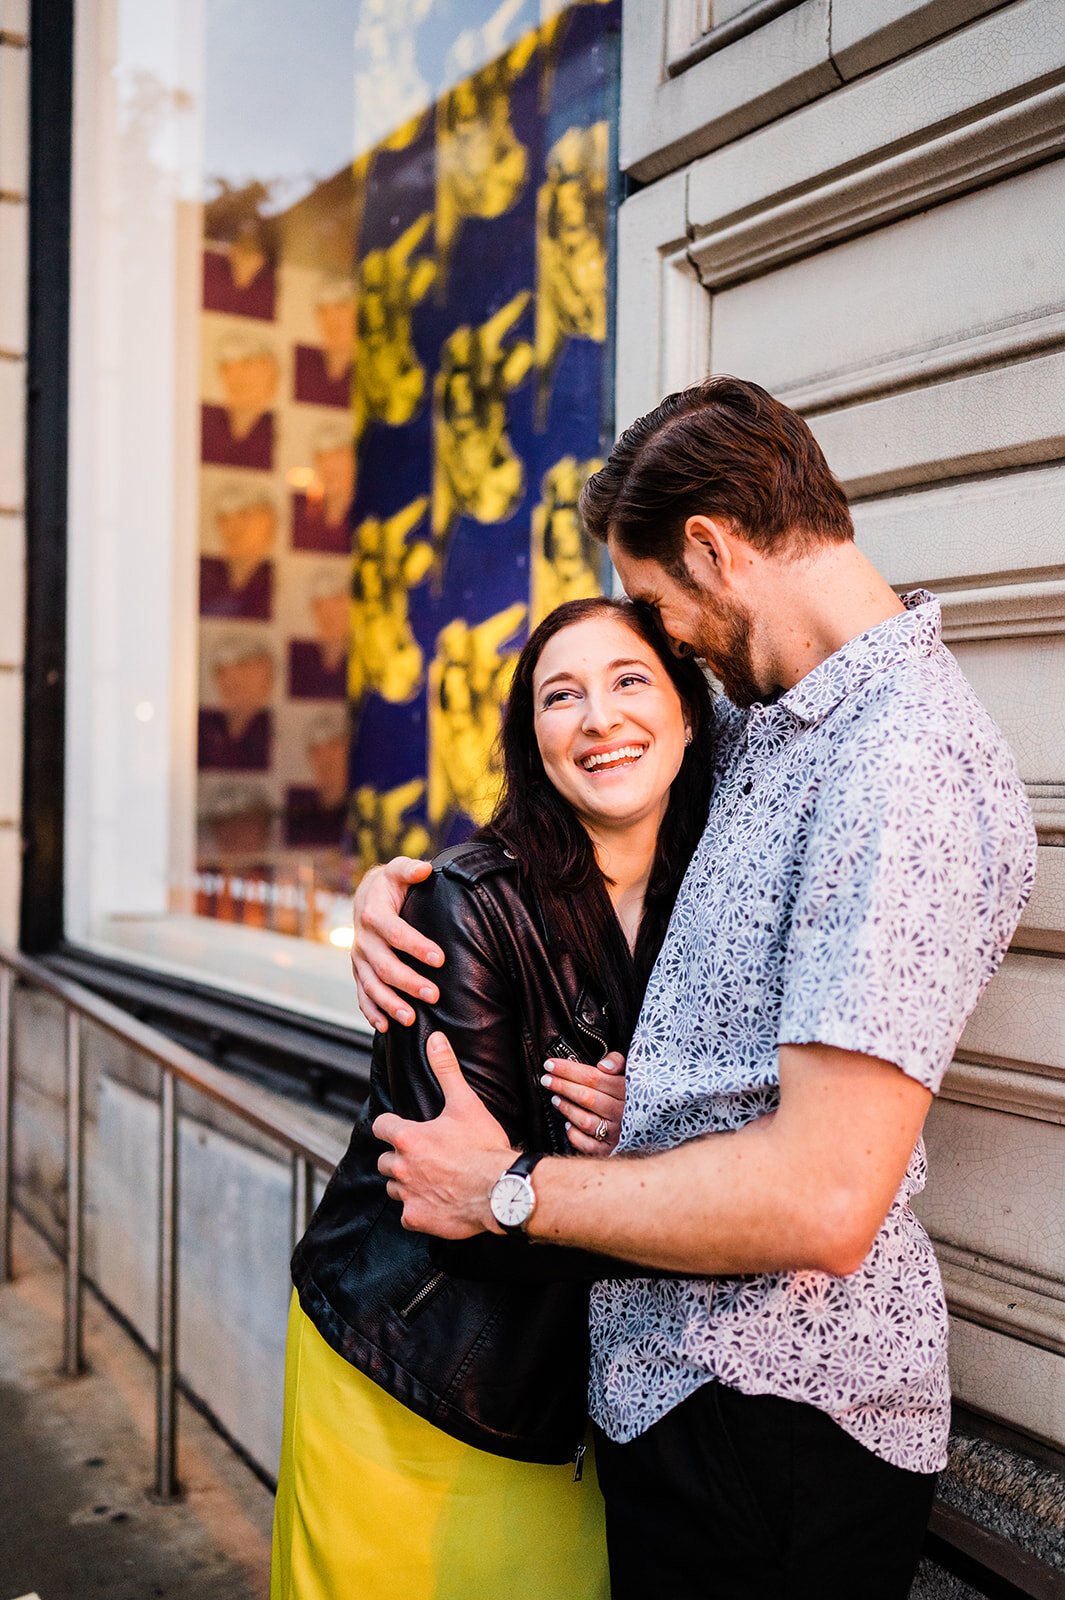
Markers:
point(608, 722)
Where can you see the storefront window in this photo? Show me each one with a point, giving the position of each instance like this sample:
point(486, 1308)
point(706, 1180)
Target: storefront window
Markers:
point(340, 336)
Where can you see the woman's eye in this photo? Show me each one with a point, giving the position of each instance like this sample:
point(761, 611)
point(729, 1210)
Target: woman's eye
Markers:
point(629, 679)
point(558, 694)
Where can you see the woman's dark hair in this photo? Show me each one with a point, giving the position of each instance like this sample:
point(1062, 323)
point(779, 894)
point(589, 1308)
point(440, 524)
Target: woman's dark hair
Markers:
point(555, 855)
point(723, 448)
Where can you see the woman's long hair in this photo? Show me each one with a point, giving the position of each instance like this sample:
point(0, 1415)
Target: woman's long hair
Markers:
point(555, 855)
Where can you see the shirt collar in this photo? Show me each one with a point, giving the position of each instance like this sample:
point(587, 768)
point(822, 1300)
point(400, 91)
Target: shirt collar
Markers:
point(914, 632)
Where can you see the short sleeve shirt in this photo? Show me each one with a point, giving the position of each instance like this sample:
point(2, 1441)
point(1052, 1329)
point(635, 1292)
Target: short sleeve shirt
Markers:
point(868, 852)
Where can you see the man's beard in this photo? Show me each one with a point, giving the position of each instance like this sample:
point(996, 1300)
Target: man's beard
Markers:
point(725, 646)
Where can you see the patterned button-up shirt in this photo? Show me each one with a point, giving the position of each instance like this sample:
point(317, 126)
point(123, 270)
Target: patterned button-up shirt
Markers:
point(868, 853)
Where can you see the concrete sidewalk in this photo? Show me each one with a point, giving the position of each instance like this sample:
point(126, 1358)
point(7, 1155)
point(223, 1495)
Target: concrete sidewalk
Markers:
point(76, 1519)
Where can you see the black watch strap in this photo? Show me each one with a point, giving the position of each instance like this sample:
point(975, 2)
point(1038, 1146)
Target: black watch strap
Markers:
point(522, 1168)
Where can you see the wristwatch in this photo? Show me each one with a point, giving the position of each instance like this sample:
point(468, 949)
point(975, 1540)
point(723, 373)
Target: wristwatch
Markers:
point(513, 1198)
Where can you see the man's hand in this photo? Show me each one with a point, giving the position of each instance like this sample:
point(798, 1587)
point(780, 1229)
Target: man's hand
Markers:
point(379, 931)
point(591, 1099)
point(443, 1171)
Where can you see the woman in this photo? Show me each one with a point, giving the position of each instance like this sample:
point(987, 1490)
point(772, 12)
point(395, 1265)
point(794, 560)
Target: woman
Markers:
point(435, 1393)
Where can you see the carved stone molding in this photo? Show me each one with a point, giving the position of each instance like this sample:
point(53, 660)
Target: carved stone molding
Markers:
point(995, 1294)
point(1004, 612)
point(1010, 1089)
point(1048, 808)
point(884, 187)
point(693, 35)
point(929, 363)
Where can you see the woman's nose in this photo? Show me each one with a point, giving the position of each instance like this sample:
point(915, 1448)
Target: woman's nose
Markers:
point(600, 715)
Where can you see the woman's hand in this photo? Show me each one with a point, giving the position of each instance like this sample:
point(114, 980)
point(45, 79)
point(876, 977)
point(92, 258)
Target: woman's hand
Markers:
point(379, 931)
point(591, 1099)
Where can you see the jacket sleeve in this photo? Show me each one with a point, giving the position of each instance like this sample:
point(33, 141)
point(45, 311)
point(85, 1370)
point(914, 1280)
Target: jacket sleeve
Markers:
point(479, 1011)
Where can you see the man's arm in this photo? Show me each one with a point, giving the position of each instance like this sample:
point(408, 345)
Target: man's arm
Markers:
point(806, 1188)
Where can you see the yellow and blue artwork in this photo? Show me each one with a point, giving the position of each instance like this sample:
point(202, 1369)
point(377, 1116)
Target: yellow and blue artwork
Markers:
point(480, 398)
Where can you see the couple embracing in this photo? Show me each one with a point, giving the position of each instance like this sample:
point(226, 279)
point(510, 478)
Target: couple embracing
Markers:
point(720, 951)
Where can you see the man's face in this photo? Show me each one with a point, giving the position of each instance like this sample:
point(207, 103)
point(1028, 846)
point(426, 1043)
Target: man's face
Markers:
point(248, 533)
point(336, 324)
point(336, 471)
point(245, 685)
point(696, 621)
point(250, 382)
point(332, 619)
point(329, 764)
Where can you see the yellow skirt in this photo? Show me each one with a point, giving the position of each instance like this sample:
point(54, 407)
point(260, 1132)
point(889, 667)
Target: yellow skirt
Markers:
point(374, 1503)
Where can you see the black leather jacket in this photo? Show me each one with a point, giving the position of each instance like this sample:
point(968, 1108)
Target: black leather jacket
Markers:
point(488, 1338)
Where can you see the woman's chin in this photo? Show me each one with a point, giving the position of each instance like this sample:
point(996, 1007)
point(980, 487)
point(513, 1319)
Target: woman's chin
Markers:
point(622, 811)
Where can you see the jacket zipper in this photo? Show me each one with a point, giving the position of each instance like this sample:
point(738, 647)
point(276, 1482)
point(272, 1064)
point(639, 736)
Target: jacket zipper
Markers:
point(426, 1292)
point(578, 1463)
point(589, 1034)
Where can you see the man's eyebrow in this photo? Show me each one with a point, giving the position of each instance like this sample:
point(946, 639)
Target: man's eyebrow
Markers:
point(621, 661)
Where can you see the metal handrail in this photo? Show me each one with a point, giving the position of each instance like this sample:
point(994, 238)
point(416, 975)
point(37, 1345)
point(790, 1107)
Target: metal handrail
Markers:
point(310, 1150)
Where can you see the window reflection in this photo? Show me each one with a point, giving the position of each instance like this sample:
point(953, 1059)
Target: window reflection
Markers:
point(404, 315)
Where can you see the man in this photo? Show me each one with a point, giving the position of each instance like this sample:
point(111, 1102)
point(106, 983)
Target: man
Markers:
point(238, 734)
point(323, 371)
point(240, 432)
point(321, 507)
point(240, 582)
point(771, 1427)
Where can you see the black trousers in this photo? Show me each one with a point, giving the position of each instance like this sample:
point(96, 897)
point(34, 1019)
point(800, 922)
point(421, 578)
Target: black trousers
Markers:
point(739, 1497)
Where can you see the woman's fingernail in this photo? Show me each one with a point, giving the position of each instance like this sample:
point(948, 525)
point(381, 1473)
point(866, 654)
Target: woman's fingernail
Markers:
point(569, 1125)
point(546, 1080)
point(555, 1101)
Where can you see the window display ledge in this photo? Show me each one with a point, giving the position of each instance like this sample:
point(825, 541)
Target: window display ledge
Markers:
point(297, 975)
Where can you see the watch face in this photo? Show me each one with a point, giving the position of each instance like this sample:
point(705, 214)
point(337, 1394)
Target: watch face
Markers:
point(512, 1200)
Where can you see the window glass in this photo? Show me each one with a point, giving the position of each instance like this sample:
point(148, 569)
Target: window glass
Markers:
point(340, 335)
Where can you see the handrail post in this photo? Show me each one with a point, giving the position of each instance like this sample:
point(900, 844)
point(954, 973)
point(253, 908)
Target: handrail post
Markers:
point(73, 1363)
point(166, 1486)
point(7, 1088)
point(302, 1196)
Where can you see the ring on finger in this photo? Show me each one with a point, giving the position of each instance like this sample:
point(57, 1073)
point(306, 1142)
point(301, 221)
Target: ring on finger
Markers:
point(602, 1132)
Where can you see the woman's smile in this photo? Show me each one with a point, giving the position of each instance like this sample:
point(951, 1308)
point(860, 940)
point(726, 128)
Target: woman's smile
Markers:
point(611, 758)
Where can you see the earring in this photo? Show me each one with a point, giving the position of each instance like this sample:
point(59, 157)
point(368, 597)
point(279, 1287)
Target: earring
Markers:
point(687, 736)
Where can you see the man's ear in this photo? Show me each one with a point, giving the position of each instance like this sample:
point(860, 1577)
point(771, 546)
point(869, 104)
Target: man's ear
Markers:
point(709, 551)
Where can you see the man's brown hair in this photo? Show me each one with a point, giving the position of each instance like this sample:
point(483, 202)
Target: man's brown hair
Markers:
point(723, 448)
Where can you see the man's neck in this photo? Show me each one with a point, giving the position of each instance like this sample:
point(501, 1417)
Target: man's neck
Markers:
point(813, 607)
